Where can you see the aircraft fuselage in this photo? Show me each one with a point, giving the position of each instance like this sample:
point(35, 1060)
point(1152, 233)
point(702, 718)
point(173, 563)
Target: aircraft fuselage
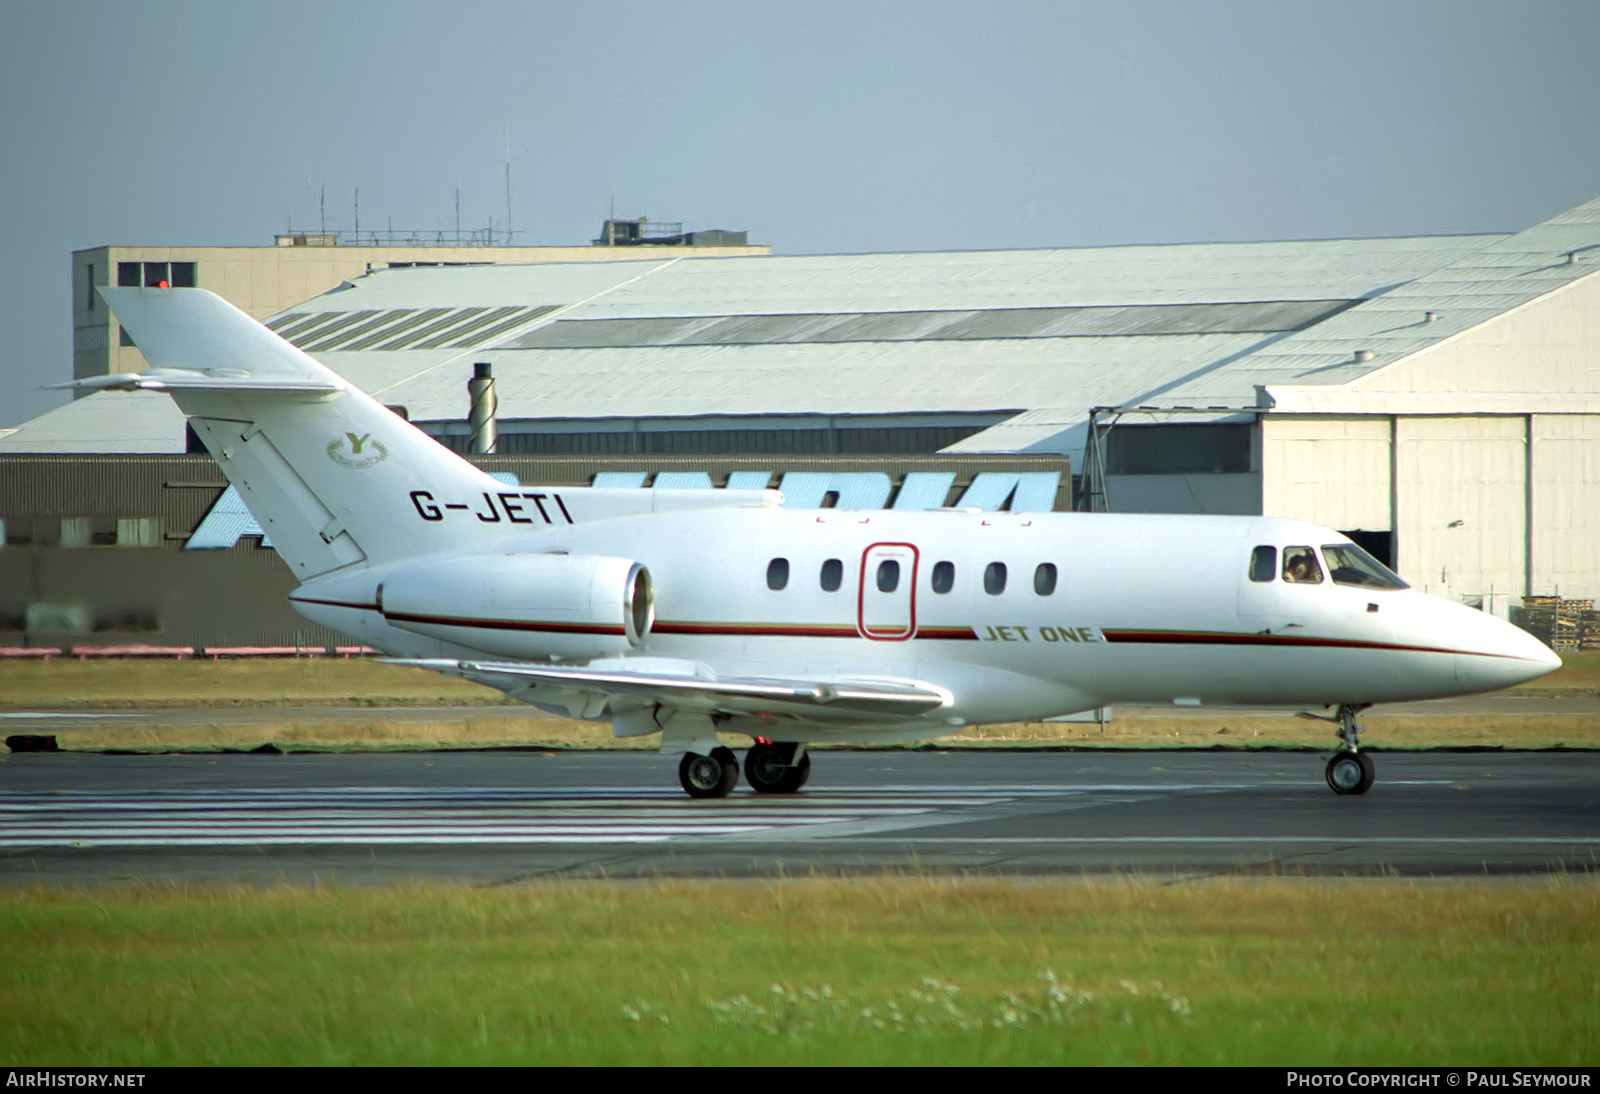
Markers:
point(1016, 616)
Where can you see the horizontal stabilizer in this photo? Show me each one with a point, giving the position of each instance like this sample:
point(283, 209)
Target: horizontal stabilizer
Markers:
point(164, 379)
point(189, 334)
point(813, 700)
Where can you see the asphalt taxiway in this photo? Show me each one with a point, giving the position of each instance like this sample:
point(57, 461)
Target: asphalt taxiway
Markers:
point(504, 816)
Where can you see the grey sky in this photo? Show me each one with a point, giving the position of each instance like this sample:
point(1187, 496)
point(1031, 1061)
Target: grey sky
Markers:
point(823, 126)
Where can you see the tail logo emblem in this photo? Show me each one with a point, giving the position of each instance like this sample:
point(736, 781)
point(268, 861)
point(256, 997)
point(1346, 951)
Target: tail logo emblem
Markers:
point(357, 452)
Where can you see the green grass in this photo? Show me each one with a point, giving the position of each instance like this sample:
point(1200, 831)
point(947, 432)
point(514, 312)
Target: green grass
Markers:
point(70, 684)
point(888, 971)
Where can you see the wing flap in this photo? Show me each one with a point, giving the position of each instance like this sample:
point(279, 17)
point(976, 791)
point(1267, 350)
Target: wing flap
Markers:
point(811, 700)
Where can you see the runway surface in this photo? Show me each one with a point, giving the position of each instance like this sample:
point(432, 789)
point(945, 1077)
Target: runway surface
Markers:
point(507, 816)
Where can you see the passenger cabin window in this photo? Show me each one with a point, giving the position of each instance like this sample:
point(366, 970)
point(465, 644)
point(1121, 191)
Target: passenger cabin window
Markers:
point(944, 576)
point(888, 575)
point(994, 578)
point(1300, 566)
point(777, 573)
point(1044, 578)
point(1263, 564)
point(832, 575)
point(1348, 564)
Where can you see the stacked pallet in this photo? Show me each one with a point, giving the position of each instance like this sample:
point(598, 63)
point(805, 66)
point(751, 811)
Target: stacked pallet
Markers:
point(1561, 624)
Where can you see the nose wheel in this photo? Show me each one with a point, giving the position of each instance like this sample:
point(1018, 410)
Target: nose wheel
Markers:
point(1351, 771)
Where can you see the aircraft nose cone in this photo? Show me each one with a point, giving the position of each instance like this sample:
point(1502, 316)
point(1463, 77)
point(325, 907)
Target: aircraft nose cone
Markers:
point(1503, 655)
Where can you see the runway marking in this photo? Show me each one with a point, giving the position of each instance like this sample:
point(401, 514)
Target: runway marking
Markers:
point(329, 815)
point(443, 815)
point(1477, 842)
point(52, 715)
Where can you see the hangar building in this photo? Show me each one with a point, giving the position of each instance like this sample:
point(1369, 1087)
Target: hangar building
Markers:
point(263, 281)
point(1437, 397)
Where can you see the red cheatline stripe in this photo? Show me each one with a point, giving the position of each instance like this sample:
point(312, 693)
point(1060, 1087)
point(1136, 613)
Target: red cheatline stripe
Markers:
point(508, 624)
point(773, 630)
point(335, 603)
point(795, 630)
point(1217, 638)
point(966, 634)
point(484, 624)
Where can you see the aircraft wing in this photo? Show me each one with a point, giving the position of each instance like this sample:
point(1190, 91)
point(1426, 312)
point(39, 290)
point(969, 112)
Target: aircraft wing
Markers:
point(586, 691)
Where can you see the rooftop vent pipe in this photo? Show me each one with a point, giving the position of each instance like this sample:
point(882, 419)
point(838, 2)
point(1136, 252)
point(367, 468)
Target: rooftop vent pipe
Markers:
point(1363, 355)
point(480, 389)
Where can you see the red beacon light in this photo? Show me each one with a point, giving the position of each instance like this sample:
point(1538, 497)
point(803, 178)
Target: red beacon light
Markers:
point(162, 285)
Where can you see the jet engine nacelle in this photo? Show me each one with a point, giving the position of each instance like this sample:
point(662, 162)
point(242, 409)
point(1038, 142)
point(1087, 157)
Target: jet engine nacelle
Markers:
point(524, 605)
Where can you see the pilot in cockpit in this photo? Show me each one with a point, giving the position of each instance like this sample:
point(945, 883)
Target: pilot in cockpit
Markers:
point(1300, 565)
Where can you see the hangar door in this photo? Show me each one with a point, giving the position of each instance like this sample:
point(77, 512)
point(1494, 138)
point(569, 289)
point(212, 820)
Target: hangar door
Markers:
point(1461, 505)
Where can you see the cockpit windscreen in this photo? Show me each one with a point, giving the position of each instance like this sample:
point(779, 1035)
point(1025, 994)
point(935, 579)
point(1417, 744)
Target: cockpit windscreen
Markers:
point(1350, 565)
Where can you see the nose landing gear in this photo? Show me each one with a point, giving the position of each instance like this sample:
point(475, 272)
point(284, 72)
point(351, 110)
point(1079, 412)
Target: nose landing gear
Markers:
point(1350, 771)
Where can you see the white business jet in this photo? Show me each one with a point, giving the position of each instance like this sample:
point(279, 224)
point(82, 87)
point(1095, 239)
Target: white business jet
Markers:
point(691, 613)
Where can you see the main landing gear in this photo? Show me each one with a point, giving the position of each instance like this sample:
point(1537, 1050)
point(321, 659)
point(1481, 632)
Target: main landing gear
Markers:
point(775, 769)
point(708, 776)
point(780, 768)
point(1351, 771)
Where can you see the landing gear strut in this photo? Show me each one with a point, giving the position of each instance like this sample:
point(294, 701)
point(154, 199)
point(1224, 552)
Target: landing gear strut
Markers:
point(708, 776)
point(774, 768)
point(1350, 771)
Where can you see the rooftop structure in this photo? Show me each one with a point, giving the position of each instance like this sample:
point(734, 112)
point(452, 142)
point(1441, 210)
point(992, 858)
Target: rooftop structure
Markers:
point(263, 281)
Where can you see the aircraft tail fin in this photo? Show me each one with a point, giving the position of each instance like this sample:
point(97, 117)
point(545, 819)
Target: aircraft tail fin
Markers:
point(331, 475)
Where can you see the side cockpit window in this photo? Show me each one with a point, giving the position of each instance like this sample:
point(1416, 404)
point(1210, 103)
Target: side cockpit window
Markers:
point(1350, 565)
point(1300, 566)
point(1263, 564)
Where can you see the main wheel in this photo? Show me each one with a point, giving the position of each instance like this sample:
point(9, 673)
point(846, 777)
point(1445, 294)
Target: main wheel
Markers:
point(1351, 773)
point(708, 776)
point(768, 771)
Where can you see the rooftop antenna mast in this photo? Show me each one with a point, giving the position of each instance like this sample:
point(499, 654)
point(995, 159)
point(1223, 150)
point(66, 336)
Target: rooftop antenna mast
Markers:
point(508, 185)
point(358, 216)
point(458, 216)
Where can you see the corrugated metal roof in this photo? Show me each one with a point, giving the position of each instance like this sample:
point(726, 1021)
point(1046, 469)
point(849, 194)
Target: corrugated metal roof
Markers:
point(1052, 331)
point(140, 421)
point(1503, 274)
point(993, 323)
point(802, 378)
